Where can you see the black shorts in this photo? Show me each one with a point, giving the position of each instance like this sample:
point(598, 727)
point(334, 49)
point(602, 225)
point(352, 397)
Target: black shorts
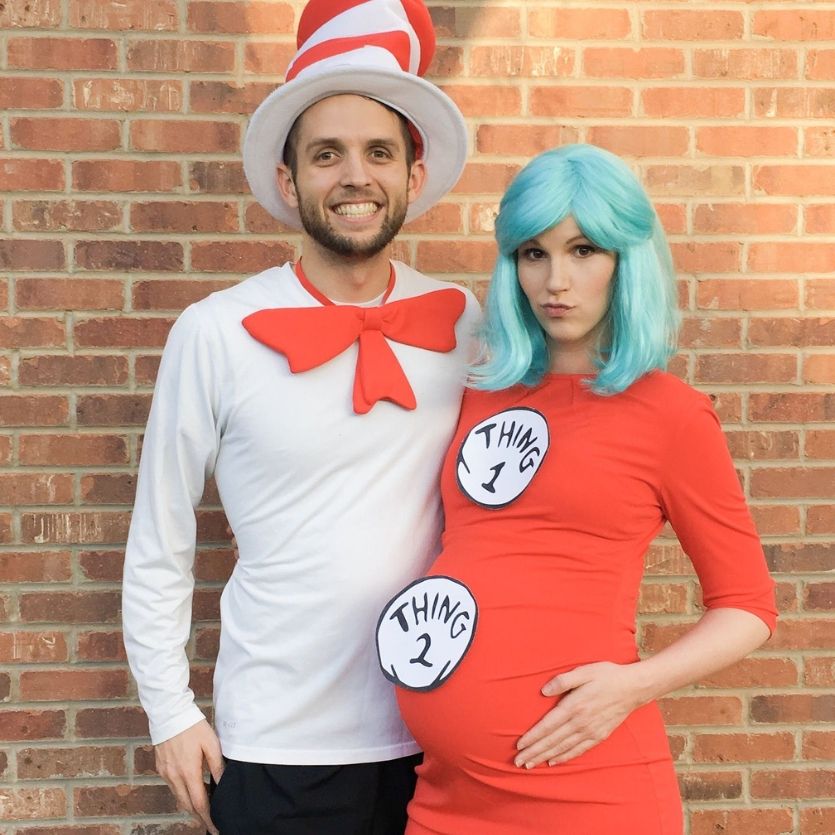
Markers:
point(357, 799)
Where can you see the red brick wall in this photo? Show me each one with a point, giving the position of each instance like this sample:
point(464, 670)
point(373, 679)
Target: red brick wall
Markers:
point(123, 201)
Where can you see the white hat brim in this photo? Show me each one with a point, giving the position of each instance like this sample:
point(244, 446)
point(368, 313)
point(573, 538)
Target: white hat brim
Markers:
point(433, 113)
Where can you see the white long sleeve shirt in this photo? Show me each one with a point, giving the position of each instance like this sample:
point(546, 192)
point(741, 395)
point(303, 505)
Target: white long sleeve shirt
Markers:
point(333, 512)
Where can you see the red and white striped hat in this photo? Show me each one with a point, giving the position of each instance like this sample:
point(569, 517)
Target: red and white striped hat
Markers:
point(374, 48)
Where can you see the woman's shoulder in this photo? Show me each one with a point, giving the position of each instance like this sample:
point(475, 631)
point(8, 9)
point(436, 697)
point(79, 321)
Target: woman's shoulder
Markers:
point(668, 391)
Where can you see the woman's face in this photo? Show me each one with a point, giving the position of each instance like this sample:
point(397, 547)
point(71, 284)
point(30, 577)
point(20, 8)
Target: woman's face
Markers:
point(568, 284)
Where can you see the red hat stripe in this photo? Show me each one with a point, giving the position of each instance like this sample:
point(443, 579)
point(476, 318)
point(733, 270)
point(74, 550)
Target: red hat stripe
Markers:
point(315, 15)
point(418, 16)
point(397, 43)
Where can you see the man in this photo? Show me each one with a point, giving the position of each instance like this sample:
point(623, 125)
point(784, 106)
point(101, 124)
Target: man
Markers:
point(322, 397)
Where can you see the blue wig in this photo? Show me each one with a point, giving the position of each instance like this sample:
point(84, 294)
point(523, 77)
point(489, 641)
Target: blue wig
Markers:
point(612, 210)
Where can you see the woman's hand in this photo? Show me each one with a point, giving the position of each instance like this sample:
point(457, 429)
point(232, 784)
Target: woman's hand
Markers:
point(596, 699)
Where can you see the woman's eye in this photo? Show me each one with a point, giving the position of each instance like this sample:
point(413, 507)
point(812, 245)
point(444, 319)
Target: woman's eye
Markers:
point(533, 253)
point(585, 250)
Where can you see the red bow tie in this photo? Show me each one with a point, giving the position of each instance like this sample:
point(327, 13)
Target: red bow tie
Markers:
point(310, 336)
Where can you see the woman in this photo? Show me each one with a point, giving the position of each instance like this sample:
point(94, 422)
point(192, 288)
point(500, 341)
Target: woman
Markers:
point(516, 657)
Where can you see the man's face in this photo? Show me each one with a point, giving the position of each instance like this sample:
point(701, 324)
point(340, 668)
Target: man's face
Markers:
point(352, 184)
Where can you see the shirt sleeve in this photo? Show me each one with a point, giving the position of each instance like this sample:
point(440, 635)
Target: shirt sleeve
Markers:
point(703, 501)
point(178, 454)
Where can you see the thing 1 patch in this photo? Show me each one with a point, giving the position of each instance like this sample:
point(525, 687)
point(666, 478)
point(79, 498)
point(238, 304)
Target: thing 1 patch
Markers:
point(425, 631)
point(499, 457)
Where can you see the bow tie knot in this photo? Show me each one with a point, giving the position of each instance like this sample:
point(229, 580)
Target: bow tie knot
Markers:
point(372, 318)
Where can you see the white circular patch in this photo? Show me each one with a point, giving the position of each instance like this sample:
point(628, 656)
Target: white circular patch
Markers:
point(425, 631)
point(501, 455)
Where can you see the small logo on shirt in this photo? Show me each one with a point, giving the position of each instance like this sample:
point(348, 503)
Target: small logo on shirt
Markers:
point(500, 456)
point(425, 631)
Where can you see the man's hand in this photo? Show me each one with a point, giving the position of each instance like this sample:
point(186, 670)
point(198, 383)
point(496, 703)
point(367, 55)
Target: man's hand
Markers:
point(596, 698)
point(180, 764)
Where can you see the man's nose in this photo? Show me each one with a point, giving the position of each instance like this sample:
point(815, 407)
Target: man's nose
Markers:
point(355, 170)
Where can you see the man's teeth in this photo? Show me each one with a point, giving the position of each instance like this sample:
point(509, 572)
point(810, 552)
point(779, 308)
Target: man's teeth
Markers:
point(356, 209)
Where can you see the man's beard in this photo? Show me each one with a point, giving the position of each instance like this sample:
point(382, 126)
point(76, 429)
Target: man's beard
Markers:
point(316, 225)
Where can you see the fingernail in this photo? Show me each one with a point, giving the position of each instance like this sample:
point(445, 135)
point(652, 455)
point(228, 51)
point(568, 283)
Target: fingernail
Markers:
point(518, 763)
point(528, 765)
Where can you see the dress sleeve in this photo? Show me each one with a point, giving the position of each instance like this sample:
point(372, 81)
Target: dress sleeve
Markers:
point(703, 501)
point(178, 454)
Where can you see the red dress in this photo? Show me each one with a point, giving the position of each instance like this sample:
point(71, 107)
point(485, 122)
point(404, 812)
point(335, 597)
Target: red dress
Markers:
point(552, 495)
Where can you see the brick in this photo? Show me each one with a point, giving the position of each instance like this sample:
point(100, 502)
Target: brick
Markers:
point(792, 407)
point(686, 180)
point(693, 102)
point(126, 176)
point(820, 519)
point(673, 218)
point(173, 295)
point(225, 97)
point(174, 56)
point(72, 685)
point(111, 722)
point(83, 761)
point(520, 140)
point(649, 62)
point(746, 294)
point(818, 141)
point(820, 64)
point(236, 18)
point(35, 566)
point(794, 180)
point(482, 22)
point(748, 64)
point(68, 294)
point(31, 175)
point(460, 257)
point(793, 102)
point(128, 95)
point(479, 100)
point(113, 409)
point(795, 558)
point(271, 58)
point(820, 443)
point(746, 368)
point(579, 24)
point(579, 101)
point(755, 672)
point(787, 257)
point(747, 218)
point(32, 804)
point(128, 15)
point(702, 710)
point(819, 671)
point(743, 748)
point(63, 53)
point(29, 254)
point(666, 598)
point(217, 178)
point(33, 410)
point(20, 725)
point(819, 597)
point(73, 450)
point(18, 13)
point(723, 257)
point(817, 820)
point(214, 565)
point(206, 644)
point(762, 444)
point(33, 647)
point(746, 141)
point(184, 217)
point(108, 488)
point(805, 633)
point(240, 257)
point(793, 784)
point(112, 332)
point(640, 140)
point(65, 134)
point(74, 528)
point(27, 93)
point(818, 745)
point(761, 821)
point(700, 332)
point(100, 646)
point(150, 256)
point(36, 488)
point(685, 25)
point(65, 215)
point(795, 482)
point(180, 136)
point(820, 294)
point(820, 218)
point(721, 785)
point(792, 332)
point(77, 370)
point(443, 218)
point(794, 25)
point(512, 61)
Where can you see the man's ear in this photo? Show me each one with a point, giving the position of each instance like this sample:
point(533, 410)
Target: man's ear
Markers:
point(286, 185)
point(417, 177)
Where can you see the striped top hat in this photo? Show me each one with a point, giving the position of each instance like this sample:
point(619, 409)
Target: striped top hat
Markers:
point(373, 48)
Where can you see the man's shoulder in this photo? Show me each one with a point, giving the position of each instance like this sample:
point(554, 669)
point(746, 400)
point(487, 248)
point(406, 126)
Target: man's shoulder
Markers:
point(414, 283)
